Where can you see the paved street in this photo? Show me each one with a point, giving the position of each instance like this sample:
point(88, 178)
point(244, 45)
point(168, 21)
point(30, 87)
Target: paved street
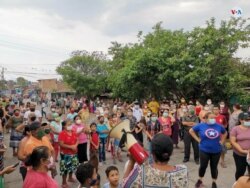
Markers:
point(225, 180)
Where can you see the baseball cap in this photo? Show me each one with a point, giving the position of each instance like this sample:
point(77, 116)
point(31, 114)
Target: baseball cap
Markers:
point(244, 116)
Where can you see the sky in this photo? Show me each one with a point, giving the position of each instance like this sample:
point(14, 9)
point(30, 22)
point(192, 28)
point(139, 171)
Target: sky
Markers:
point(37, 35)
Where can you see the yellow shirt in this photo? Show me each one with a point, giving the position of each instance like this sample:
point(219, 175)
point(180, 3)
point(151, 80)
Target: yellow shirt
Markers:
point(154, 106)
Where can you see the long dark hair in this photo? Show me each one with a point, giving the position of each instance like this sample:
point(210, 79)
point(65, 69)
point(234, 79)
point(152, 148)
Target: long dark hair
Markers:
point(34, 159)
point(26, 129)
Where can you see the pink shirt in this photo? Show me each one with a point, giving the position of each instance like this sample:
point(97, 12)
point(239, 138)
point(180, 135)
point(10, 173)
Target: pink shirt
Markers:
point(35, 179)
point(166, 125)
point(242, 138)
point(82, 137)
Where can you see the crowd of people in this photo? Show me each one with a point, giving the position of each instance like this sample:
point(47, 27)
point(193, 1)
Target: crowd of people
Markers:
point(74, 132)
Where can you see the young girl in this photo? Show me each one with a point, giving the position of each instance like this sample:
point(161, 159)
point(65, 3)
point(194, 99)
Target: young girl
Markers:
point(94, 140)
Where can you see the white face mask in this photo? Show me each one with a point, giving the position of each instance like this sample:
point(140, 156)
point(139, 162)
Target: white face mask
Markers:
point(69, 128)
point(78, 121)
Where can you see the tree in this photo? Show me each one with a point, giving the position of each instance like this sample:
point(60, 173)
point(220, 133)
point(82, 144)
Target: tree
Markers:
point(22, 82)
point(195, 64)
point(85, 72)
point(3, 85)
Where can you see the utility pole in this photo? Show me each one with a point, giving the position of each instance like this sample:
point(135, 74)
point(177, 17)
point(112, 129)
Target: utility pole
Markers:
point(2, 74)
point(2, 82)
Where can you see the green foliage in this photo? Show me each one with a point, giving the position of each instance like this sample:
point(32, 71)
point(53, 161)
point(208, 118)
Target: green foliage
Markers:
point(85, 72)
point(22, 82)
point(3, 85)
point(200, 63)
point(195, 64)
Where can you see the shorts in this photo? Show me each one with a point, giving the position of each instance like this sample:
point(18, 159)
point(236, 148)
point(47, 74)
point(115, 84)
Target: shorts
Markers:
point(68, 164)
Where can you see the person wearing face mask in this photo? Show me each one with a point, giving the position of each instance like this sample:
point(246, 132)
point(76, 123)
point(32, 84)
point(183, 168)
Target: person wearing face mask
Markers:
point(68, 142)
point(137, 111)
point(56, 129)
point(166, 122)
point(37, 138)
point(203, 112)
point(84, 113)
point(37, 176)
point(103, 131)
point(87, 176)
point(188, 122)
point(82, 131)
point(210, 104)
point(15, 136)
point(240, 140)
point(32, 109)
point(152, 128)
point(211, 137)
point(71, 114)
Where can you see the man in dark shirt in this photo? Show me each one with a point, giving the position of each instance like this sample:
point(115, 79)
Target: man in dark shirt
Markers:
point(188, 122)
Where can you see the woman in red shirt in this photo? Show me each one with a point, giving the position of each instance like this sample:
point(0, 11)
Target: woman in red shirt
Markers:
point(37, 176)
point(68, 142)
point(166, 122)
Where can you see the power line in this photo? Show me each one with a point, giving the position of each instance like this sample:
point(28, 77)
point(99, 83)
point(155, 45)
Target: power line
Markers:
point(16, 46)
point(49, 64)
point(32, 73)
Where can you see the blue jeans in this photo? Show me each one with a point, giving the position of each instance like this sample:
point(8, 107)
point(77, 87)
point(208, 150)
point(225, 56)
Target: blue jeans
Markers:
point(102, 152)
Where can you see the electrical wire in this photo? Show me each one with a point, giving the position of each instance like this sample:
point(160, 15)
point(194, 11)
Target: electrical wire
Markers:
point(32, 73)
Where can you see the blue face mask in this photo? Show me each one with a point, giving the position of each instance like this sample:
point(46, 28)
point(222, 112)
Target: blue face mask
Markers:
point(247, 123)
point(211, 121)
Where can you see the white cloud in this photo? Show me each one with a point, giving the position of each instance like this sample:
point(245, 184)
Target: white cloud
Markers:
point(34, 33)
point(38, 38)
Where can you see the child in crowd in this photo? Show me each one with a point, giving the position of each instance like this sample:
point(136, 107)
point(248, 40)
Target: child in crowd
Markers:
point(112, 174)
point(103, 131)
point(95, 162)
point(86, 175)
point(94, 140)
